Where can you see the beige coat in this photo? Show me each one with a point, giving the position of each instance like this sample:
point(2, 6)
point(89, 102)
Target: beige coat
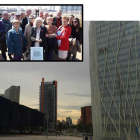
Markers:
point(27, 34)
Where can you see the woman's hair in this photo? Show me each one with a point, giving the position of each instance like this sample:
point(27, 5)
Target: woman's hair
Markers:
point(51, 15)
point(12, 13)
point(78, 24)
point(65, 18)
point(15, 21)
point(50, 18)
point(32, 16)
point(37, 19)
point(71, 15)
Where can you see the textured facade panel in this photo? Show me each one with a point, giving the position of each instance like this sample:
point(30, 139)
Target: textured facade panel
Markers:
point(115, 55)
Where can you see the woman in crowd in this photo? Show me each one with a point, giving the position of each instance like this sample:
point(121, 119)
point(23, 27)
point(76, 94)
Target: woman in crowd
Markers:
point(38, 34)
point(27, 32)
point(63, 46)
point(16, 41)
point(75, 33)
point(51, 15)
point(12, 16)
point(28, 29)
point(51, 38)
point(70, 20)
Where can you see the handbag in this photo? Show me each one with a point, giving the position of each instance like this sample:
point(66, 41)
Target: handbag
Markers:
point(78, 46)
point(1, 58)
point(72, 43)
point(23, 46)
point(27, 55)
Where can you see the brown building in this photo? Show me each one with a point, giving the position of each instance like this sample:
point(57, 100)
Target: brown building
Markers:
point(48, 102)
point(86, 115)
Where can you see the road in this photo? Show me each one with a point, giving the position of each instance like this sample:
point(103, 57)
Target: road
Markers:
point(33, 137)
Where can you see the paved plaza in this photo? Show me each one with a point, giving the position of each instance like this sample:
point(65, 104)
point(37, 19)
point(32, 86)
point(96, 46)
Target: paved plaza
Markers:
point(34, 137)
point(55, 57)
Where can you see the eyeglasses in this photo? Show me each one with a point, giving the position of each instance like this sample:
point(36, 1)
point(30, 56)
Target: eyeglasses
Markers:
point(64, 21)
point(74, 21)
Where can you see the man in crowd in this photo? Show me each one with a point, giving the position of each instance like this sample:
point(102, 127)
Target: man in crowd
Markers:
point(26, 20)
point(0, 16)
point(41, 14)
point(7, 25)
point(45, 18)
point(18, 17)
point(57, 20)
point(22, 15)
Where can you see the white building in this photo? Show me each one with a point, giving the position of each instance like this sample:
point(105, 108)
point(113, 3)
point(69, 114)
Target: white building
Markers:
point(69, 121)
point(115, 74)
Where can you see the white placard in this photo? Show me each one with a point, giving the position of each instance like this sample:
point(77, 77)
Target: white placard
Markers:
point(36, 53)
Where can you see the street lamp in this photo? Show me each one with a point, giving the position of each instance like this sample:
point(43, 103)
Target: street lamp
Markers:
point(47, 113)
point(47, 116)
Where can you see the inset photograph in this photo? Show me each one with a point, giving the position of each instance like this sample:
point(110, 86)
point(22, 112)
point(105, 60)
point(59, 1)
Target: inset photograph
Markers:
point(41, 32)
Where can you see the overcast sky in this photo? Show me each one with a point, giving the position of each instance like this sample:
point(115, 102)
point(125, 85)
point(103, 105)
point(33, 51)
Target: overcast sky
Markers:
point(73, 81)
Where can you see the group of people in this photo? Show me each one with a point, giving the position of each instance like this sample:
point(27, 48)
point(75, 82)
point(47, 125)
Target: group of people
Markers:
point(20, 31)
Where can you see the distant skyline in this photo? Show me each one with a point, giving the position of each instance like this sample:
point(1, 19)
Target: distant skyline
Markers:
point(73, 81)
point(31, 7)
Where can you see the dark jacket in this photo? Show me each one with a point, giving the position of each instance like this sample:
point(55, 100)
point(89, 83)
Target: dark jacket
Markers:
point(43, 31)
point(45, 23)
point(24, 23)
point(2, 37)
point(75, 34)
point(2, 31)
point(55, 21)
point(7, 24)
point(78, 36)
point(14, 43)
point(51, 44)
point(2, 27)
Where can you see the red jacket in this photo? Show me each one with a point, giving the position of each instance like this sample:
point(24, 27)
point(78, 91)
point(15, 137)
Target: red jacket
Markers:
point(65, 38)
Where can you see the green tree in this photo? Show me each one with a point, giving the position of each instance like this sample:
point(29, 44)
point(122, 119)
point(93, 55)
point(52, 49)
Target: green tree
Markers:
point(59, 126)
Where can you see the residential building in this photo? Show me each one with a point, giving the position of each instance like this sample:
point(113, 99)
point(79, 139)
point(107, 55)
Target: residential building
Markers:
point(48, 102)
point(69, 121)
point(13, 93)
